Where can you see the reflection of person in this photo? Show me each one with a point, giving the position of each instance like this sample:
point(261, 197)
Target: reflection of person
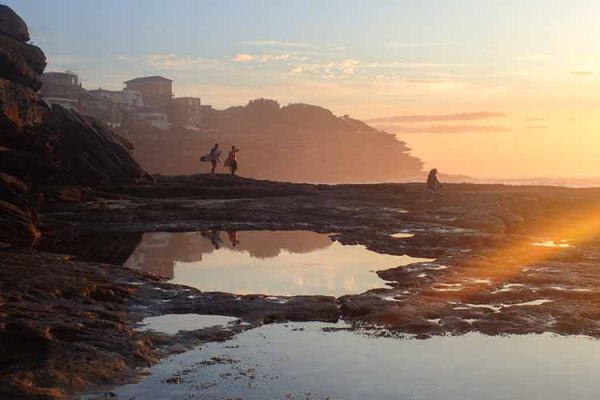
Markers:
point(433, 184)
point(233, 238)
point(215, 238)
point(232, 159)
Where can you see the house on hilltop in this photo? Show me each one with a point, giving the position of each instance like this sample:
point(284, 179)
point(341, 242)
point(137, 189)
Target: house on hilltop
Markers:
point(61, 88)
point(156, 91)
point(186, 112)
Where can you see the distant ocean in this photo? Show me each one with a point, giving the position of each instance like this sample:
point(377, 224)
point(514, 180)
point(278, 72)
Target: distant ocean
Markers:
point(565, 182)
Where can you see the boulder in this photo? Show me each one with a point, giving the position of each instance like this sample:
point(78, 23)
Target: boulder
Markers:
point(86, 152)
point(42, 146)
point(12, 25)
point(21, 62)
point(20, 107)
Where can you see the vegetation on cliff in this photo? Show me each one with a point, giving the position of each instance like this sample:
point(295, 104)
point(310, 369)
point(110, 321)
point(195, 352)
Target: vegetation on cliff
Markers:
point(297, 143)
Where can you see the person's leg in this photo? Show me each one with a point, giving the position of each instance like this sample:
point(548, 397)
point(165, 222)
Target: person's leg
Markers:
point(233, 167)
point(214, 165)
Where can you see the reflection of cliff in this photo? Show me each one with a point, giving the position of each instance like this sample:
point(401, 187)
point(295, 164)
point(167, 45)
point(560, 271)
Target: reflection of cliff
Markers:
point(158, 252)
point(298, 143)
point(265, 244)
point(114, 248)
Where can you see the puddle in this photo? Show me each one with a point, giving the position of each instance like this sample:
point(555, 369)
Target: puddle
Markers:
point(173, 323)
point(563, 244)
point(263, 262)
point(402, 235)
point(301, 361)
point(498, 307)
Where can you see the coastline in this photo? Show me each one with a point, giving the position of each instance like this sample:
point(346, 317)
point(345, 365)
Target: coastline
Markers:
point(481, 234)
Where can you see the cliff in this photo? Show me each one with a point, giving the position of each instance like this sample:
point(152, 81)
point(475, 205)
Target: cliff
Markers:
point(296, 143)
point(42, 146)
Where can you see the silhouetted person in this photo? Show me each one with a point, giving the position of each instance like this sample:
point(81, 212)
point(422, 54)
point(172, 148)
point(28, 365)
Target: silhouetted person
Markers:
point(433, 183)
point(232, 160)
point(214, 157)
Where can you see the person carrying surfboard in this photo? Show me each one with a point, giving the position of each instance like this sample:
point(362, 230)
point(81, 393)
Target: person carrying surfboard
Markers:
point(231, 161)
point(215, 153)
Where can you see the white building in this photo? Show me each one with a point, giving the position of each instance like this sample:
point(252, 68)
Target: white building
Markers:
point(69, 104)
point(127, 97)
point(156, 118)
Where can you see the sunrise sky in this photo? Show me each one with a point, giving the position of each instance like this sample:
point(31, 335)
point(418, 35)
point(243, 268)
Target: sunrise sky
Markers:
point(493, 88)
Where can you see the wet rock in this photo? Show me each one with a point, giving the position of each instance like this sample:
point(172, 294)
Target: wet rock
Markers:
point(64, 326)
point(12, 25)
point(17, 226)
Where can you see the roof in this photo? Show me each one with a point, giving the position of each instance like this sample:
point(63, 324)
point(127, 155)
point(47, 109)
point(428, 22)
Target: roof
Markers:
point(103, 91)
point(148, 78)
point(55, 73)
point(186, 98)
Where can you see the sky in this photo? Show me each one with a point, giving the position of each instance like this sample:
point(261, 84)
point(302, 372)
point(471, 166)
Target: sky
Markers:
point(490, 89)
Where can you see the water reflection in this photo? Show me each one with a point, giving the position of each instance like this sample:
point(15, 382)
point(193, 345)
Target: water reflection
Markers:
point(262, 262)
point(279, 361)
point(173, 323)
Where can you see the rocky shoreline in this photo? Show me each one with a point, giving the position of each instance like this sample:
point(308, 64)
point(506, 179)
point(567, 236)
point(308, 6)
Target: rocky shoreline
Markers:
point(79, 315)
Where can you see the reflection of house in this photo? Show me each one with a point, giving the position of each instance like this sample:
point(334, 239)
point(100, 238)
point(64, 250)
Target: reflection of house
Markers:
point(185, 112)
point(156, 91)
point(158, 252)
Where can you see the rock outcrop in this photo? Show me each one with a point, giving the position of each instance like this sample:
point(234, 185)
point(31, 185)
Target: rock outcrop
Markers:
point(12, 25)
point(40, 145)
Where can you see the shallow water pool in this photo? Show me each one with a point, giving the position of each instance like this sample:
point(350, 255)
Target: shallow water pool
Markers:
point(264, 262)
point(301, 361)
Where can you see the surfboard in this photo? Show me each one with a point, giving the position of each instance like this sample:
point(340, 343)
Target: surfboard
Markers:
point(208, 157)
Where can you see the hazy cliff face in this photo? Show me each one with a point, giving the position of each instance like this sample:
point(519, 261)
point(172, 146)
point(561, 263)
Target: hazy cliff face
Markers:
point(297, 143)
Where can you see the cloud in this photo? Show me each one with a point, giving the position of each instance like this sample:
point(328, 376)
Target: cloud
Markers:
point(417, 65)
point(470, 116)
point(414, 45)
point(443, 129)
point(582, 73)
point(261, 58)
point(243, 58)
point(537, 127)
point(173, 62)
point(426, 81)
point(534, 57)
point(275, 43)
point(331, 69)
